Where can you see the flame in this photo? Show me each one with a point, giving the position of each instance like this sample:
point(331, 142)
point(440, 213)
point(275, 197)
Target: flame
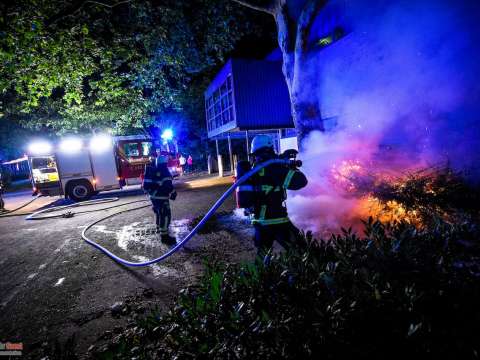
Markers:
point(387, 212)
point(344, 174)
point(348, 177)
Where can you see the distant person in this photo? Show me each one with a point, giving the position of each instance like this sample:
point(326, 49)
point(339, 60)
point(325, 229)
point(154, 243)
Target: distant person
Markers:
point(183, 162)
point(190, 163)
point(157, 182)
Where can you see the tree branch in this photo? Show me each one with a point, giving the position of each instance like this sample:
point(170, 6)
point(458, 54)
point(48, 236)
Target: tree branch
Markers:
point(107, 5)
point(305, 22)
point(268, 8)
point(286, 41)
point(72, 10)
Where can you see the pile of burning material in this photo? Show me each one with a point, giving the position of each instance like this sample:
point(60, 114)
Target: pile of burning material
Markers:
point(418, 196)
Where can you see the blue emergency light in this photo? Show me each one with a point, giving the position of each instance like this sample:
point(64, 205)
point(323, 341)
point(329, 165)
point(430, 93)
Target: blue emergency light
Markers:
point(167, 135)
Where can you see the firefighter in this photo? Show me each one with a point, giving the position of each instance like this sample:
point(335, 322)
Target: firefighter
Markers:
point(157, 182)
point(267, 193)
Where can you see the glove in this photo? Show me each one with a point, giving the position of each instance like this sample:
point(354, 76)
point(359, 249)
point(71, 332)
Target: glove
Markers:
point(173, 195)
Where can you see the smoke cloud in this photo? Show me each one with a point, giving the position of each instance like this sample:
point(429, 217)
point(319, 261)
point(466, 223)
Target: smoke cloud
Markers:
point(403, 88)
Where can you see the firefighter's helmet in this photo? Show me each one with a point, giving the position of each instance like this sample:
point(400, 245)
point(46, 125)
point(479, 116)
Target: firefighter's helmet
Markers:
point(261, 142)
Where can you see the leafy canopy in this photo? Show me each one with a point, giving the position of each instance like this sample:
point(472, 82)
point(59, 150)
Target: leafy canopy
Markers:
point(80, 65)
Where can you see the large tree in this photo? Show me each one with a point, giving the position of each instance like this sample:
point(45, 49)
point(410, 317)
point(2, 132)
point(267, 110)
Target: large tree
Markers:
point(77, 65)
point(294, 20)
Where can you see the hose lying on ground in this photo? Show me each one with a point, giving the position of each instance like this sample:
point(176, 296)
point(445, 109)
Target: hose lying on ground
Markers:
point(8, 213)
point(35, 215)
point(180, 244)
point(174, 249)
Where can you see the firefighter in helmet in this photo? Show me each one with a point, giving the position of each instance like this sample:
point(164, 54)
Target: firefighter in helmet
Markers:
point(265, 193)
point(157, 182)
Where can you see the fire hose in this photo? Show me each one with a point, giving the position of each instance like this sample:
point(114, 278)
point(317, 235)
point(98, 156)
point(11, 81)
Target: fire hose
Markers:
point(68, 214)
point(9, 213)
point(180, 244)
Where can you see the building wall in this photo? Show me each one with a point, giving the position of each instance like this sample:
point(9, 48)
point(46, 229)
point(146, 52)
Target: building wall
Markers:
point(261, 95)
point(221, 88)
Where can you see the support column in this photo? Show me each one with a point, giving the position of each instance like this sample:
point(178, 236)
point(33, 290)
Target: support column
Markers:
point(248, 145)
point(279, 136)
point(220, 165)
point(209, 163)
point(219, 160)
point(230, 152)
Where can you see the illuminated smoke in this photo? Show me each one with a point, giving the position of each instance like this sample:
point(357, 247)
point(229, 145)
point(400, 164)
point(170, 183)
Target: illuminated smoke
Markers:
point(403, 88)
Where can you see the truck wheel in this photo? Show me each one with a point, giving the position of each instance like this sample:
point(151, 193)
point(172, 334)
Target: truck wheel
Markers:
point(80, 190)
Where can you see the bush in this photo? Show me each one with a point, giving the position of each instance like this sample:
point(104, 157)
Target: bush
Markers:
point(397, 292)
point(430, 192)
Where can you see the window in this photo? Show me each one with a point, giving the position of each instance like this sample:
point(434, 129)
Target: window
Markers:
point(131, 149)
point(287, 133)
point(146, 147)
point(219, 106)
point(330, 25)
point(44, 163)
point(335, 35)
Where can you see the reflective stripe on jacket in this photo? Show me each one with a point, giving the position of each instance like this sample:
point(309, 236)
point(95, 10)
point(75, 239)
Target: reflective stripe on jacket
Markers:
point(157, 182)
point(269, 186)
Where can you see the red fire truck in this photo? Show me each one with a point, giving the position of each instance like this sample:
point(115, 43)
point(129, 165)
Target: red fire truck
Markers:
point(80, 167)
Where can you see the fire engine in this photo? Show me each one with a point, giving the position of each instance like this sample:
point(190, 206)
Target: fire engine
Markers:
point(79, 167)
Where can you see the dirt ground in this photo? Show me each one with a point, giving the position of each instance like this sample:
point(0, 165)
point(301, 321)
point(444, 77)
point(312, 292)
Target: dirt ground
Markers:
point(55, 287)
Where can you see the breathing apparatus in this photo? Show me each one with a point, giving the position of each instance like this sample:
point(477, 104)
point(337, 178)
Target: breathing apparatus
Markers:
point(246, 195)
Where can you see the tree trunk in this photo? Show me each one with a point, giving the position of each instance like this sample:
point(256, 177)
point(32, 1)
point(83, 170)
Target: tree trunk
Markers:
point(293, 34)
point(306, 115)
point(293, 37)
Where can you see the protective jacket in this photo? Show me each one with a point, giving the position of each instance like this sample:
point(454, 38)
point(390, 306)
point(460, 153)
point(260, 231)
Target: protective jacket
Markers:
point(268, 192)
point(157, 182)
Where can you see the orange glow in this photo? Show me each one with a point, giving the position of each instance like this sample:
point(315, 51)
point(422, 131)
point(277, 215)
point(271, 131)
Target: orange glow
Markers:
point(344, 173)
point(350, 176)
point(389, 211)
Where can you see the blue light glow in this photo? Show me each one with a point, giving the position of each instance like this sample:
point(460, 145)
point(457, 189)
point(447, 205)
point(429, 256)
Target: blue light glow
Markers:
point(167, 135)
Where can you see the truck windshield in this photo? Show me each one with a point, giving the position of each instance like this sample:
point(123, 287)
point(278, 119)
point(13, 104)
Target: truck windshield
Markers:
point(146, 148)
point(44, 163)
point(44, 170)
point(131, 149)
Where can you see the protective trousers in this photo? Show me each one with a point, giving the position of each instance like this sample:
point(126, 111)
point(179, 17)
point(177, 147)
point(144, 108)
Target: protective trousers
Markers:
point(286, 234)
point(163, 215)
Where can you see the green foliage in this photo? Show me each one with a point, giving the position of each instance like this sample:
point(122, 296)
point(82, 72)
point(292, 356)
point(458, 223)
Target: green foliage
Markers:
point(76, 66)
point(397, 292)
